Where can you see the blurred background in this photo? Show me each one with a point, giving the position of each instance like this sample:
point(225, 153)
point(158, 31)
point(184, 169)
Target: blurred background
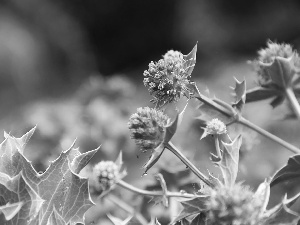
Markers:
point(74, 69)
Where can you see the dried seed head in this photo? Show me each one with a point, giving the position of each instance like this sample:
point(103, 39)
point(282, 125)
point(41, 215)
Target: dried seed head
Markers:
point(168, 78)
point(147, 127)
point(268, 55)
point(216, 126)
point(233, 205)
point(105, 173)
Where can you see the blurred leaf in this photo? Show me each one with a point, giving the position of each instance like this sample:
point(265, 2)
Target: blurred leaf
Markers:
point(277, 101)
point(117, 221)
point(261, 93)
point(164, 198)
point(230, 160)
point(190, 61)
point(288, 172)
point(239, 94)
point(20, 204)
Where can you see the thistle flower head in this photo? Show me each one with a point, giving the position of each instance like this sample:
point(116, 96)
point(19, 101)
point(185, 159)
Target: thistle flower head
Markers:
point(233, 205)
point(268, 55)
point(105, 174)
point(215, 126)
point(168, 78)
point(147, 127)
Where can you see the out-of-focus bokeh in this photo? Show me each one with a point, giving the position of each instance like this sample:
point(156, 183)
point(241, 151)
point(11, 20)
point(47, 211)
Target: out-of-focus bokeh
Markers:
point(75, 69)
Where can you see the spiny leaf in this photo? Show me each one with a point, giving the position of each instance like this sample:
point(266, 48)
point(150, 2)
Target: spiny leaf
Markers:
point(55, 219)
point(190, 61)
point(59, 185)
point(154, 157)
point(16, 192)
point(282, 214)
point(239, 94)
point(230, 160)
point(289, 172)
point(117, 221)
point(192, 207)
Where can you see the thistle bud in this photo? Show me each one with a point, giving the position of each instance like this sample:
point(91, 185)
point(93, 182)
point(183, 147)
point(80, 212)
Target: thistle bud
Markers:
point(147, 127)
point(105, 174)
point(233, 205)
point(168, 78)
point(269, 54)
point(214, 127)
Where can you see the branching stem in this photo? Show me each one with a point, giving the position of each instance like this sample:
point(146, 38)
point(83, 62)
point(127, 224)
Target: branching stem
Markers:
point(139, 191)
point(126, 207)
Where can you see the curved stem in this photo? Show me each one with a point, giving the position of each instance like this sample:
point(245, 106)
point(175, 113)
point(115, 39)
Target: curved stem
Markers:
point(139, 191)
point(128, 208)
point(293, 101)
point(265, 133)
point(189, 164)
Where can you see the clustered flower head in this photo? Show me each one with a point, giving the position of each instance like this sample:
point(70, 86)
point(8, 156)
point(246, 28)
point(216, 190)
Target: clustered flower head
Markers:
point(267, 55)
point(215, 126)
point(233, 205)
point(147, 127)
point(168, 78)
point(105, 174)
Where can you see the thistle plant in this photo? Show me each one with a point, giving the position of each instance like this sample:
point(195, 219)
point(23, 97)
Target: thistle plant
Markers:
point(60, 195)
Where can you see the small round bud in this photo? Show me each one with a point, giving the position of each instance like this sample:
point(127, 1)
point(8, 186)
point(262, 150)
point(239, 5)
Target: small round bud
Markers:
point(233, 205)
point(147, 127)
point(216, 126)
point(168, 78)
point(105, 174)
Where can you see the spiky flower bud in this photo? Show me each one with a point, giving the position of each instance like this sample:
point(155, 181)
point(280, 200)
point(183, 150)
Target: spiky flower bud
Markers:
point(168, 78)
point(216, 126)
point(233, 205)
point(268, 55)
point(105, 174)
point(147, 127)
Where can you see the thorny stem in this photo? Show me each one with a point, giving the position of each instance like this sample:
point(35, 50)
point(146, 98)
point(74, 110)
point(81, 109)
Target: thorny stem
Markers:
point(293, 101)
point(246, 122)
point(189, 164)
point(265, 133)
point(123, 205)
point(139, 191)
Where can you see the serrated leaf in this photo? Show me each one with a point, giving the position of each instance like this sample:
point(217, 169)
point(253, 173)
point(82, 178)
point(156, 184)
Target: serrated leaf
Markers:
point(281, 213)
point(59, 185)
point(117, 221)
point(16, 191)
point(239, 94)
point(10, 210)
point(190, 61)
point(288, 172)
point(261, 93)
point(230, 161)
point(192, 207)
point(200, 219)
point(55, 219)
